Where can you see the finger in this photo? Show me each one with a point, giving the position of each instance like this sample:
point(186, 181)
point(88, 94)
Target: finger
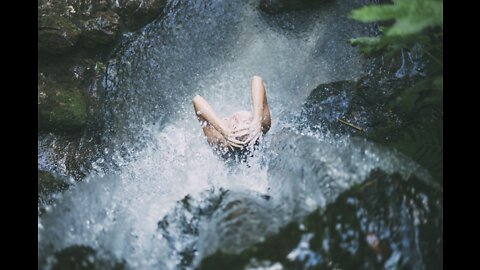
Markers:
point(235, 145)
point(236, 141)
point(259, 135)
point(251, 138)
point(254, 139)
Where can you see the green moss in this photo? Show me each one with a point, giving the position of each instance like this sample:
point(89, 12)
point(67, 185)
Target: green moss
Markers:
point(61, 109)
point(56, 34)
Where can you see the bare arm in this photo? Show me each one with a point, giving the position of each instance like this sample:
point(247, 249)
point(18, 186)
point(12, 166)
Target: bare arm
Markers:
point(206, 113)
point(213, 127)
point(261, 111)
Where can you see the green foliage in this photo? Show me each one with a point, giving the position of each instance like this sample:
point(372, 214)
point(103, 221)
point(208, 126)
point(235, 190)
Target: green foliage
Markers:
point(414, 26)
point(411, 16)
point(411, 19)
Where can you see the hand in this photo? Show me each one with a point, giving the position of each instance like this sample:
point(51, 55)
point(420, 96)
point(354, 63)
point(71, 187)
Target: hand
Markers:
point(254, 131)
point(231, 140)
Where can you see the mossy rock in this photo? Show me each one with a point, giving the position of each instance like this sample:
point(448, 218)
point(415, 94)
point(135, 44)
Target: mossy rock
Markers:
point(101, 29)
point(60, 109)
point(56, 34)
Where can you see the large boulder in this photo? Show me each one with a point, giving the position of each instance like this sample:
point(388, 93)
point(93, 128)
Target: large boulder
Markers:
point(362, 103)
point(101, 29)
point(56, 34)
point(394, 105)
point(387, 222)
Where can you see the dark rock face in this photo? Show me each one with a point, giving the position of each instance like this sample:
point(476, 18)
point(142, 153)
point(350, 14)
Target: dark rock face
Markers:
point(75, 38)
point(101, 29)
point(73, 32)
point(385, 222)
point(136, 13)
point(56, 34)
point(277, 6)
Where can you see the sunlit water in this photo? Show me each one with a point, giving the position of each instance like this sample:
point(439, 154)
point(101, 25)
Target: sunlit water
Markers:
point(158, 149)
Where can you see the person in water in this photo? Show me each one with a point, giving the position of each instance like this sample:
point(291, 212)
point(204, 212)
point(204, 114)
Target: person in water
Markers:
point(240, 129)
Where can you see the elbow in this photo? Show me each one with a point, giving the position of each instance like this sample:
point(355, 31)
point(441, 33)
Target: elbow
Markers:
point(257, 78)
point(197, 99)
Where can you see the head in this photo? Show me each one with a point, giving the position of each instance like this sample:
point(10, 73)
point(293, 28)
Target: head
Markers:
point(238, 120)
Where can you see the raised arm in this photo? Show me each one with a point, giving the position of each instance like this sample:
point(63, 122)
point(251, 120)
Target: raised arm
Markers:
point(261, 111)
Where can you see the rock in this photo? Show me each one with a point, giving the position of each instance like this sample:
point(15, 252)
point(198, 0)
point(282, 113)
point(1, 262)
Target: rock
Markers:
point(371, 103)
point(278, 6)
point(136, 13)
point(56, 34)
point(60, 109)
point(48, 184)
point(79, 257)
point(362, 102)
point(101, 29)
point(221, 220)
point(385, 222)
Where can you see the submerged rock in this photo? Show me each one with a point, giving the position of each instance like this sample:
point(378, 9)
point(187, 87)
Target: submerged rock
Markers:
point(56, 34)
point(48, 184)
point(80, 257)
point(386, 222)
point(225, 220)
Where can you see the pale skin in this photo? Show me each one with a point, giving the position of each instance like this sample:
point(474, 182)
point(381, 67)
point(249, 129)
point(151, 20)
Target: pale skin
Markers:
point(219, 133)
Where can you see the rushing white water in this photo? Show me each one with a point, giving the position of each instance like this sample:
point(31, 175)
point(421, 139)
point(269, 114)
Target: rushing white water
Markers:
point(211, 49)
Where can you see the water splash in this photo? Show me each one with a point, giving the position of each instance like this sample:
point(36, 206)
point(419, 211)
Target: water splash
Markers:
point(151, 134)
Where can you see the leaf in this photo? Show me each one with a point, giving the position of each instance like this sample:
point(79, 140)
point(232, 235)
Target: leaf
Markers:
point(374, 13)
point(411, 17)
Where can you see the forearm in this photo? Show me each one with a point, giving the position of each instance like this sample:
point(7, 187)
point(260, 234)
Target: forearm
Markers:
point(206, 113)
point(258, 98)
